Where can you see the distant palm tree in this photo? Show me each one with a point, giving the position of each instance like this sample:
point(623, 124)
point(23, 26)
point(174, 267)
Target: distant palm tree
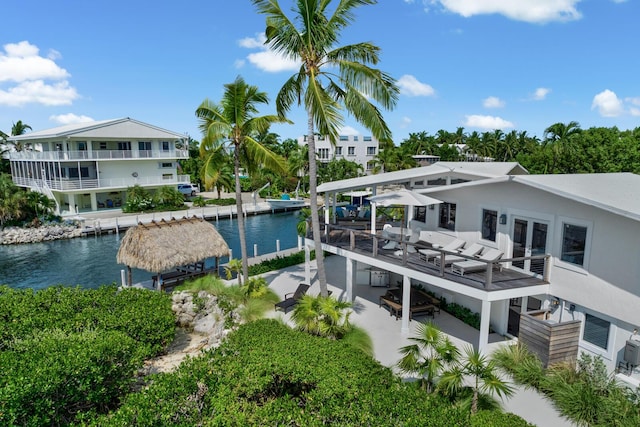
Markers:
point(17, 129)
point(234, 122)
point(217, 167)
point(558, 138)
point(329, 77)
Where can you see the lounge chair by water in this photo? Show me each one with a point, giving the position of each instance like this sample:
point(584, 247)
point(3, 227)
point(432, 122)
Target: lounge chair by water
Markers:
point(292, 298)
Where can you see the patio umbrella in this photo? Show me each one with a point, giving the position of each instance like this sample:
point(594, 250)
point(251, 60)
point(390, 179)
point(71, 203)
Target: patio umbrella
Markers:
point(403, 197)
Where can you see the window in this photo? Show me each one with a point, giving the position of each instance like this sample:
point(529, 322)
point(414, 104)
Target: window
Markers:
point(574, 242)
point(371, 165)
point(166, 165)
point(126, 146)
point(447, 216)
point(420, 213)
point(338, 151)
point(84, 172)
point(366, 138)
point(103, 145)
point(434, 182)
point(351, 151)
point(355, 137)
point(596, 331)
point(344, 138)
point(489, 224)
point(165, 145)
point(58, 147)
point(323, 153)
point(144, 145)
point(371, 151)
point(167, 176)
point(82, 146)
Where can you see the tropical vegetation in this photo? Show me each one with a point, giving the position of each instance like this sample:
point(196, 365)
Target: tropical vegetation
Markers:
point(165, 198)
point(20, 207)
point(441, 368)
point(330, 78)
point(584, 392)
point(232, 124)
point(266, 373)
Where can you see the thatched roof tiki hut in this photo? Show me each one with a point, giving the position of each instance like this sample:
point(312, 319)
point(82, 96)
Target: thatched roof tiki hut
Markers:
point(165, 245)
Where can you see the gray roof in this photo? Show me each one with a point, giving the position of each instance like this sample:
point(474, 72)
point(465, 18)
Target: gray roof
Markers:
point(464, 170)
point(116, 128)
point(618, 193)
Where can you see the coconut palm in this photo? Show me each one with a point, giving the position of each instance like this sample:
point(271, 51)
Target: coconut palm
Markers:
point(430, 355)
point(323, 316)
point(234, 122)
point(330, 77)
point(558, 138)
point(217, 167)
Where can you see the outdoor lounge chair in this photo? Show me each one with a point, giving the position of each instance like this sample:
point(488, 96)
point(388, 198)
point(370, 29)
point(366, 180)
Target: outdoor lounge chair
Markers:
point(453, 246)
point(292, 298)
point(473, 250)
point(389, 244)
point(488, 256)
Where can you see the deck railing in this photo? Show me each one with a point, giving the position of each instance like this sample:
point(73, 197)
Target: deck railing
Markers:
point(99, 155)
point(87, 183)
point(368, 244)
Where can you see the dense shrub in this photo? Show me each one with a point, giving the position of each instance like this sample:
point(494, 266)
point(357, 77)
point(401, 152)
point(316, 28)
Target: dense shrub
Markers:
point(67, 350)
point(144, 316)
point(229, 201)
point(269, 374)
point(48, 378)
point(278, 263)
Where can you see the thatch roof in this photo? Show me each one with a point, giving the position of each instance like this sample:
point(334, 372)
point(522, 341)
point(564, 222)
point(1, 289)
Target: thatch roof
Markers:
point(164, 245)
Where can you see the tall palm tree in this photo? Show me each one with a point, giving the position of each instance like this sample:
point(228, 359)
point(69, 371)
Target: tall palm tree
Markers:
point(234, 122)
point(330, 76)
point(19, 128)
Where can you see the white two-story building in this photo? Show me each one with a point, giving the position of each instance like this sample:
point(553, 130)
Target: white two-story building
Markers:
point(88, 166)
point(569, 247)
point(355, 148)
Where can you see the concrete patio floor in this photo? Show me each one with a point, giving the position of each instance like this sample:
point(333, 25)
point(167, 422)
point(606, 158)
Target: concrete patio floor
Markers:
point(384, 331)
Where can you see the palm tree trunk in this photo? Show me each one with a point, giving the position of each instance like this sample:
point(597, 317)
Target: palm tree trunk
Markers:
point(241, 230)
point(315, 220)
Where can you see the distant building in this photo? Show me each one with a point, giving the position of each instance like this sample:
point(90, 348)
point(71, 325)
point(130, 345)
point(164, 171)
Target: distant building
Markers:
point(88, 166)
point(355, 148)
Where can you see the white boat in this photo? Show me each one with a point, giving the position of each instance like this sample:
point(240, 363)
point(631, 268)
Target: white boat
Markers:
point(286, 201)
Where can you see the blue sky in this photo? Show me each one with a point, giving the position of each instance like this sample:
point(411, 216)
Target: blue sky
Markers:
point(478, 64)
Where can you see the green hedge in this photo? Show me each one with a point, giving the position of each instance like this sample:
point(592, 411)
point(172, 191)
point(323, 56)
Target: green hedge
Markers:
point(269, 374)
point(49, 378)
point(279, 262)
point(65, 351)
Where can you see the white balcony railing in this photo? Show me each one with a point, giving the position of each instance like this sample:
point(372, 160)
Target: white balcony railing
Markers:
point(87, 184)
point(99, 155)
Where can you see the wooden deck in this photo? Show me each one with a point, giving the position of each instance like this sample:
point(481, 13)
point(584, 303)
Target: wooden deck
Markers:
point(500, 278)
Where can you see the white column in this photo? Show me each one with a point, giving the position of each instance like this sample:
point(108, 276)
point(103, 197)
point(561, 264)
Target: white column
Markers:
point(307, 264)
point(406, 302)
point(72, 203)
point(351, 277)
point(94, 201)
point(485, 317)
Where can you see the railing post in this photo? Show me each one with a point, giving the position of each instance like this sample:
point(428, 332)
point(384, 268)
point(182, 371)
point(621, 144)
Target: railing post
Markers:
point(547, 269)
point(352, 240)
point(375, 246)
point(489, 274)
point(442, 262)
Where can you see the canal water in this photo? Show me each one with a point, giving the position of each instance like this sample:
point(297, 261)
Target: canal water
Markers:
point(91, 261)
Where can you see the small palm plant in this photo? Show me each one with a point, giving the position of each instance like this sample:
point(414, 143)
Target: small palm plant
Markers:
point(430, 355)
point(234, 267)
point(322, 316)
point(485, 381)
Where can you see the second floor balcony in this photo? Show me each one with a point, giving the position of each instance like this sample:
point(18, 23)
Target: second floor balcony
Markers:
point(71, 184)
point(99, 155)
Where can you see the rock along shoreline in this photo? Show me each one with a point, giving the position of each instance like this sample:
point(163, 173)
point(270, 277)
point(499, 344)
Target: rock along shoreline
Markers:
point(46, 233)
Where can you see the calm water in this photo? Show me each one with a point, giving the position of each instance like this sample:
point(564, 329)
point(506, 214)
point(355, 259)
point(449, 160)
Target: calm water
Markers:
point(91, 261)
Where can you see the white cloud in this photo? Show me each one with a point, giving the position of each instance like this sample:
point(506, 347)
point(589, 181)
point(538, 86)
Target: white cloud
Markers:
point(26, 77)
point(608, 104)
point(239, 63)
point(633, 101)
point(634, 111)
point(410, 86)
point(487, 122)
point(348, 130)
point(70, 118)
point(406, 121)
point(38, 92)
point(266, 59)
point(534, 11)
point(493, 102)
point(541, 93)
